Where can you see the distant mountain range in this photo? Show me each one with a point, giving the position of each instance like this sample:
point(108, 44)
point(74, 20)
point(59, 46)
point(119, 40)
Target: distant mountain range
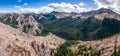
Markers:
point(95, 24)
point(91, 25)
point(101, 13)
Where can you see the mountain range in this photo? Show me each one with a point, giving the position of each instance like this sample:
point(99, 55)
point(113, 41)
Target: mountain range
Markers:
point(91, 25)
point(94, 33)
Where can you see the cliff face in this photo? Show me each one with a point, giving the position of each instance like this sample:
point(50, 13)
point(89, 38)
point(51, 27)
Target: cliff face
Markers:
point(24, 23)
point(16, 43)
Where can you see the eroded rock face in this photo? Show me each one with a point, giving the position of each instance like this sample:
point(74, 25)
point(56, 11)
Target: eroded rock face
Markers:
point(16, 43)
point(18, 51)
point(24, 23)
point(40, 49)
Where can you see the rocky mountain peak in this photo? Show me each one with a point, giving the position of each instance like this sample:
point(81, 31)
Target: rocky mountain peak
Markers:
point(106, 13)
point(105, 10)
point(100, 14)
point(25, 23)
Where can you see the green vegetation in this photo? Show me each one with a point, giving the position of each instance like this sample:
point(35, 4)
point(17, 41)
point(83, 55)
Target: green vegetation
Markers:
point(116, 53)
point(44, 32)
point(24, 29)
point(89, 51)
point(83, 50)
point(11, 23)
point(7, 21)
point(70, 28)
point(29, 26)
point(14, 24)
point(64, 50)
point(82, 29)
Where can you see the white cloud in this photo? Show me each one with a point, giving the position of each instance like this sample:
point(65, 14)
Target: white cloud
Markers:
point(67, 7)
point(36, 10)
point(26, 10)
point(19, 0)
point(115, 4)
point(60, 7)
point(17, 6)
point(81, 4)
point(25, 4)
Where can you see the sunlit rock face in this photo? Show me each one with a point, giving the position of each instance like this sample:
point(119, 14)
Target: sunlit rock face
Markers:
point(13, 42)
point(25, 23)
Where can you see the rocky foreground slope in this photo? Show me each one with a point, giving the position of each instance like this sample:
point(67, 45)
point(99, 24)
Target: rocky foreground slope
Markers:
point(16, 43)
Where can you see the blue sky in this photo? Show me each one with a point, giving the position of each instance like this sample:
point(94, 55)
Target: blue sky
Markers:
point(34, 3)
point(16, 5)
point(8, 5)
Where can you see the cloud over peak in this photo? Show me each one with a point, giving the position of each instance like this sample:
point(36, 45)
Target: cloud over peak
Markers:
point(60, 7)
point(36, 10)
point(68, 7)
point(115, 4)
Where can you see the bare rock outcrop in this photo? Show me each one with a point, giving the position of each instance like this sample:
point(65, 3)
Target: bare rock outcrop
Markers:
point(13, 42)
point(25, 23)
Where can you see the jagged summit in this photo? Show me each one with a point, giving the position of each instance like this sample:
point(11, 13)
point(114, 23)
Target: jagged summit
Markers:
point(104, 9)
point(25, 23)
point(107, 13)
point(100, 14)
